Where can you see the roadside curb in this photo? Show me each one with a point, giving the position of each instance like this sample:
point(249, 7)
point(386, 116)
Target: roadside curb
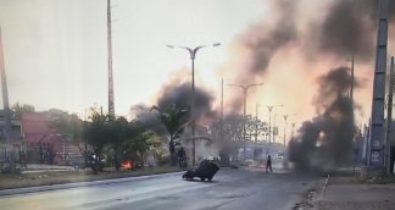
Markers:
point(34, 189)
point(310, 196)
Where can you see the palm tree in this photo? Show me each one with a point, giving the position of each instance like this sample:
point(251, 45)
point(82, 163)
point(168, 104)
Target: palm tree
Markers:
point(174, 119)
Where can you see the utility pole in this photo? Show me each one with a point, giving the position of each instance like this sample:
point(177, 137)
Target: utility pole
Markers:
point(270, 109)
point(285, 130)
point(245, 91)
point(352, 81)
point(274, 126)
point(192, 54)
point(376, 139)
point(222, 111)
point(256, 121)
point(111, 108)
point(292, 131)
point(387, 159)
point(7, 112)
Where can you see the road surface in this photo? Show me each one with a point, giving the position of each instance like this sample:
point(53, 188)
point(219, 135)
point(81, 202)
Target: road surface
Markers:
point(231, 189)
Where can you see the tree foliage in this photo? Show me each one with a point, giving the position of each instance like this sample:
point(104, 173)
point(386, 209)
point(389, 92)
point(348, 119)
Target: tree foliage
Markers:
point(106, 135)
point(175, 120)
point(21, 108)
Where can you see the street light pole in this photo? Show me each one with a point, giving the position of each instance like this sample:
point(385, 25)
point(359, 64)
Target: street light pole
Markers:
point(222, 112)
point(292, 131)
point(7, 112)
point(256, 121)
point(245, 91)
point(270, 108)
point(192, 53)
point(285, 131)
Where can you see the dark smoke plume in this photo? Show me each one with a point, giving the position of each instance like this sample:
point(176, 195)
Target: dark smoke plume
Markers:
point(148, 118)
point(180, 95)
point(349, 28)
point(326, 141)
point(264, 41)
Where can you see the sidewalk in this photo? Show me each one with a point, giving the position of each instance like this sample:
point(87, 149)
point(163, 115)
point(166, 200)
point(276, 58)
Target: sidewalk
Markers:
point(37, 168)
point(344, 193)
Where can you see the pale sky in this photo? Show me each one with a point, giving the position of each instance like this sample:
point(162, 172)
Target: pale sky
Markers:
point(56, 52)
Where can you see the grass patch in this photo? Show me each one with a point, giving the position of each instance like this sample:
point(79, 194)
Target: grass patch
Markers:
point(50, 178)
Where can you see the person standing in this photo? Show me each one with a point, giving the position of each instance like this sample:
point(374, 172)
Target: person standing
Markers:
point(269, 164)
point(182, 158)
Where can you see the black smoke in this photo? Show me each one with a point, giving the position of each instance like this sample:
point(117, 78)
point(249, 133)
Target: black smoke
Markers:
point(326, 141)
point(263, 41)
point(181, 94)
point(149, 118)
point(349, 28)
point(346, 28)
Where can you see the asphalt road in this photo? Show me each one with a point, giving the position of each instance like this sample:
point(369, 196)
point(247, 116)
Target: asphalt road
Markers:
point(231, 189)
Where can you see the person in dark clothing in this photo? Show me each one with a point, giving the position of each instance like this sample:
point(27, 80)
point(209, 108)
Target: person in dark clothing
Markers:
point(269, 164)
point(181, 158)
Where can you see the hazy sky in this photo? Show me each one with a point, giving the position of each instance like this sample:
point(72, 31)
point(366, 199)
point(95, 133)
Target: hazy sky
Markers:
point(56, 52)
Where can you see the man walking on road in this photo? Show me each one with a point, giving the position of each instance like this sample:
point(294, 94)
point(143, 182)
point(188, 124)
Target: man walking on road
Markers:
point(269, 164)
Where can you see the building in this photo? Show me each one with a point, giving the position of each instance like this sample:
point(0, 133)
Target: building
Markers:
point(16, 135)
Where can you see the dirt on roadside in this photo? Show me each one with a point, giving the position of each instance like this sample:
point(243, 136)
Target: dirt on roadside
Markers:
point(50, 178)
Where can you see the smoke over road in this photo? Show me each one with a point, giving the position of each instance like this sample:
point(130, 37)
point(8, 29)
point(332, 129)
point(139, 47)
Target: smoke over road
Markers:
point(349, 28)
point(326, 141)
point(331, 32)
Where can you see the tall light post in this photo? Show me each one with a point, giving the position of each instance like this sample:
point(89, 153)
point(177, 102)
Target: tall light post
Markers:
point(270, 109)
point(292, 131)
point(285, 131)
point(256, 121)
point(7, 112)
point(111, 108)
point(192, 52)
point(245, 91)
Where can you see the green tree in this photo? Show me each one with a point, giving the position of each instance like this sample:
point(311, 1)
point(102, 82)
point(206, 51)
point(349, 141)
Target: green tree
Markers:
point(174, 119)
point(19, 109)
point(119, 131)
point(137, 144)
point(70, 126)
point(96, 132)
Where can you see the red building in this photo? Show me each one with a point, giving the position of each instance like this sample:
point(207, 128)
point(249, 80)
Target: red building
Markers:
point(43, 142)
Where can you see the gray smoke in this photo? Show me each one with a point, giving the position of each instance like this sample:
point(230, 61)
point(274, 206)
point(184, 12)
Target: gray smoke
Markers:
point(326, 141)
point(180, 95)
point(349, 28)
point(148, 118)
point(264, 41)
